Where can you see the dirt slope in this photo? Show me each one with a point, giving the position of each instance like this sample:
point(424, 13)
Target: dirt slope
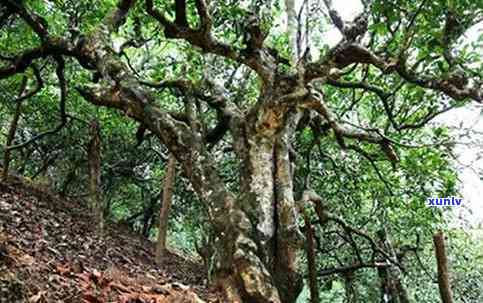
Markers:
point(49, 253)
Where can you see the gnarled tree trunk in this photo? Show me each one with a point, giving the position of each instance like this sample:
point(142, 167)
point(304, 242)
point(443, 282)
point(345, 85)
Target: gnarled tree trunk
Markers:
point(257, 236)
point(256, 232)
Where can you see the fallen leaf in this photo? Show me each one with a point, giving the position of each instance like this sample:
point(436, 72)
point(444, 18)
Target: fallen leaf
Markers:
point(26, 259)
point(36, 298)
point(63, 270)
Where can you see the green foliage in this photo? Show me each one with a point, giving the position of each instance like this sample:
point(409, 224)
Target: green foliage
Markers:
point(357, 182)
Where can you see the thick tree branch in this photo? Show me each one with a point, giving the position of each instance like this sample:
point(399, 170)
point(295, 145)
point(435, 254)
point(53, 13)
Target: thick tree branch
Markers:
point(311, 257)
point(202, 38)
point(454, 89)
point(351, 30)
point(118, 16)
point(37, 23)
point(12, 129)
point(205, 17)
point(50, 48)
point(181, 19)
point(334, 16)
point(157, 121)
point(217, 102)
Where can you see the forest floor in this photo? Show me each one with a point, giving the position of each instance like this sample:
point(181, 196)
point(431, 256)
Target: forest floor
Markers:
point(49, 252)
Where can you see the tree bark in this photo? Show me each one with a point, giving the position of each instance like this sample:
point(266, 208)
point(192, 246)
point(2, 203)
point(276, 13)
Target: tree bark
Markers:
point(11, 131)
point(392, 288)
point(311, 259)
point(388, 291)
point(387, 285)
point(292, 29)
point(443, 273)
point(94, 162)
point(271, 207)
point(168, 186)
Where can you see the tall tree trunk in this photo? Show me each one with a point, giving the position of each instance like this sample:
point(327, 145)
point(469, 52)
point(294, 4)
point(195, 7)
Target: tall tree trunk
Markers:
point(311, 259)
point(168, 186)
point(94, 160)
point(387, 285)
point(392, 287)
point(11, 131)
point(259, 231)
point(443, 273)
point(388, 291)
point(148, 215)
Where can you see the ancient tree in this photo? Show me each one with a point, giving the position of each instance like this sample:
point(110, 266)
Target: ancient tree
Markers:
point(256, 226)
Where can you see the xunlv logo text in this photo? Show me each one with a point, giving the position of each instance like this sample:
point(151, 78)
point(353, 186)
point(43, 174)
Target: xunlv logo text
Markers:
point(451, 201)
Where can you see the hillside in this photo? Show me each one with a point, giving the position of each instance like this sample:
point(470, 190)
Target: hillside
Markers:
point(295, 145)
point(49, 253)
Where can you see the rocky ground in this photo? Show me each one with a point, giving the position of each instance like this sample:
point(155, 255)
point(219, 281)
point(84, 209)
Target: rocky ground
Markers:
point(49, 253)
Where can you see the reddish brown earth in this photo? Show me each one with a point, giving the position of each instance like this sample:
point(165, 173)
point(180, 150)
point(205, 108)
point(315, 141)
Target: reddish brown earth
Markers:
point(50, 253)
